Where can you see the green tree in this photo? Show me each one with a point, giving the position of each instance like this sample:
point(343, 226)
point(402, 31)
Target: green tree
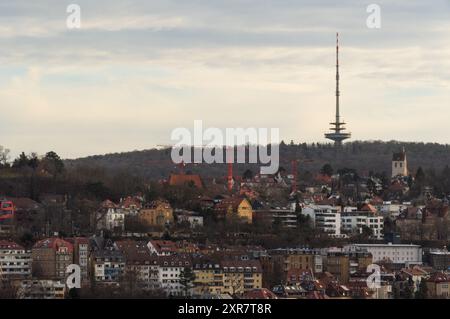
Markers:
point(327, 170)
point(21, 161)
point(187, 277)
point(53, 163)
point(422, 292)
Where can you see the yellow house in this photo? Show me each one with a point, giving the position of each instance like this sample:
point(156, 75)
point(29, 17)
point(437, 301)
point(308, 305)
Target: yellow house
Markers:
point(157, 213)
point(232, 207)
point(233, 277)
point(208, 278)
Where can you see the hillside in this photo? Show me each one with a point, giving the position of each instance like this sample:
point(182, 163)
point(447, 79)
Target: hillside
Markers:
point(363, 156)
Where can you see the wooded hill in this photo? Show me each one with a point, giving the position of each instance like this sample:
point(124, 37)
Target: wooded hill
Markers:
point(363, 156)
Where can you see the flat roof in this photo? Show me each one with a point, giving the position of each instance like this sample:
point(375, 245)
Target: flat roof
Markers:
point(386, 245)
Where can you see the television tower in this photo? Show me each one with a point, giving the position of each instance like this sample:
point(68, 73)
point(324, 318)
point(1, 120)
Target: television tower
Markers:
point(337, 135)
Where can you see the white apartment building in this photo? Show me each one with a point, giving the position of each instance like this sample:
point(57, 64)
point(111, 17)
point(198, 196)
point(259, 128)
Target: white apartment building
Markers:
point(325, 218)
point(353, 222)
point(108, 266)
point(115, 219)
point(170, 268)
point(15, 261)
point(396, 253)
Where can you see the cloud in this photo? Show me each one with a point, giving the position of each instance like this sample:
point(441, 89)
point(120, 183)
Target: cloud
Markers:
point(138, 69)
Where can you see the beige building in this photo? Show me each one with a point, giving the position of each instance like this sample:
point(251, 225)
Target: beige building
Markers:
point(233, 277)
point(230, 208)
point(157, 213)
point(51, 257)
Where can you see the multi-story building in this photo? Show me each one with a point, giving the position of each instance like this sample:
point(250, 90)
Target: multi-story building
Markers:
point(232, 277)
point(208, 278)
point(108, 266)
point(439, 259)
point(41, 289)
point(157, 213)
point(343, 263)
point(140, 265)
point(234, 208)
point(110, 217)
point(298, 258)
point(15, 261)
point(241, 276)
point(325, 218)
point(51, 257)
point(81, 256)
point(393, 253)
point(130, 205)
point(162, 247)
point(170, 269)
point(285, 216)
point(354, 222)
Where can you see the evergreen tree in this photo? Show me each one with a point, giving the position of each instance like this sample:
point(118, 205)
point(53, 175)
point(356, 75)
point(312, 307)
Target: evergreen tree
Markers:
point(187, 276)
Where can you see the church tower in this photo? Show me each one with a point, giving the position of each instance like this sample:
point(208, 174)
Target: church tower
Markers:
point(399, 164)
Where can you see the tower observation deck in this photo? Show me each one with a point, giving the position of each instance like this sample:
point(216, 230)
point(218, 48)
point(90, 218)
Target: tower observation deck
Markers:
point(337, 129)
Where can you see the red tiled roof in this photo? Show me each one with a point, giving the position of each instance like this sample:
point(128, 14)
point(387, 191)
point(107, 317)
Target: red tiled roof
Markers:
point(183, 179)
point(54, 243)
point(4, 244)
point(131, 201)
point(108, 204)
point(262, 293)
point(368, 208)
point(439, 277)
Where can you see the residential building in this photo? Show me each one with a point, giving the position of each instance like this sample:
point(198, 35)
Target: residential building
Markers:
point(170, 269)
point(15, 261)
point(130, 205)
point(51, 257)
point(234, 208)
point(110, 217)
point(108, 266)
point(41, 289)
point(284, 216)
point(439, 259)
point(325, 218)
point(342, 263)
point(241, 276)
point(140, 265)
point(393, 253)
point(354, 222)
point(81, 250)
point(157, 213)
point(438, 285)
point(162, 247)
point(232, 277)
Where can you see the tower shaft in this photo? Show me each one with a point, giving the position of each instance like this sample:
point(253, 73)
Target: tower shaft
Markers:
point(337, 135)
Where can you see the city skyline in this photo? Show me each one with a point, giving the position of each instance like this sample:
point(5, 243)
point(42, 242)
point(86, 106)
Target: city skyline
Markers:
point(124, 81)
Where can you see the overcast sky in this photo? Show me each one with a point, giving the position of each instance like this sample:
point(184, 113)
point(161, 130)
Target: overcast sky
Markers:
point(138, 69)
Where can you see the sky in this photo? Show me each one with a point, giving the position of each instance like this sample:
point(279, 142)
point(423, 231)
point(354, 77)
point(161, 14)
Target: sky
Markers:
point(136, 70)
